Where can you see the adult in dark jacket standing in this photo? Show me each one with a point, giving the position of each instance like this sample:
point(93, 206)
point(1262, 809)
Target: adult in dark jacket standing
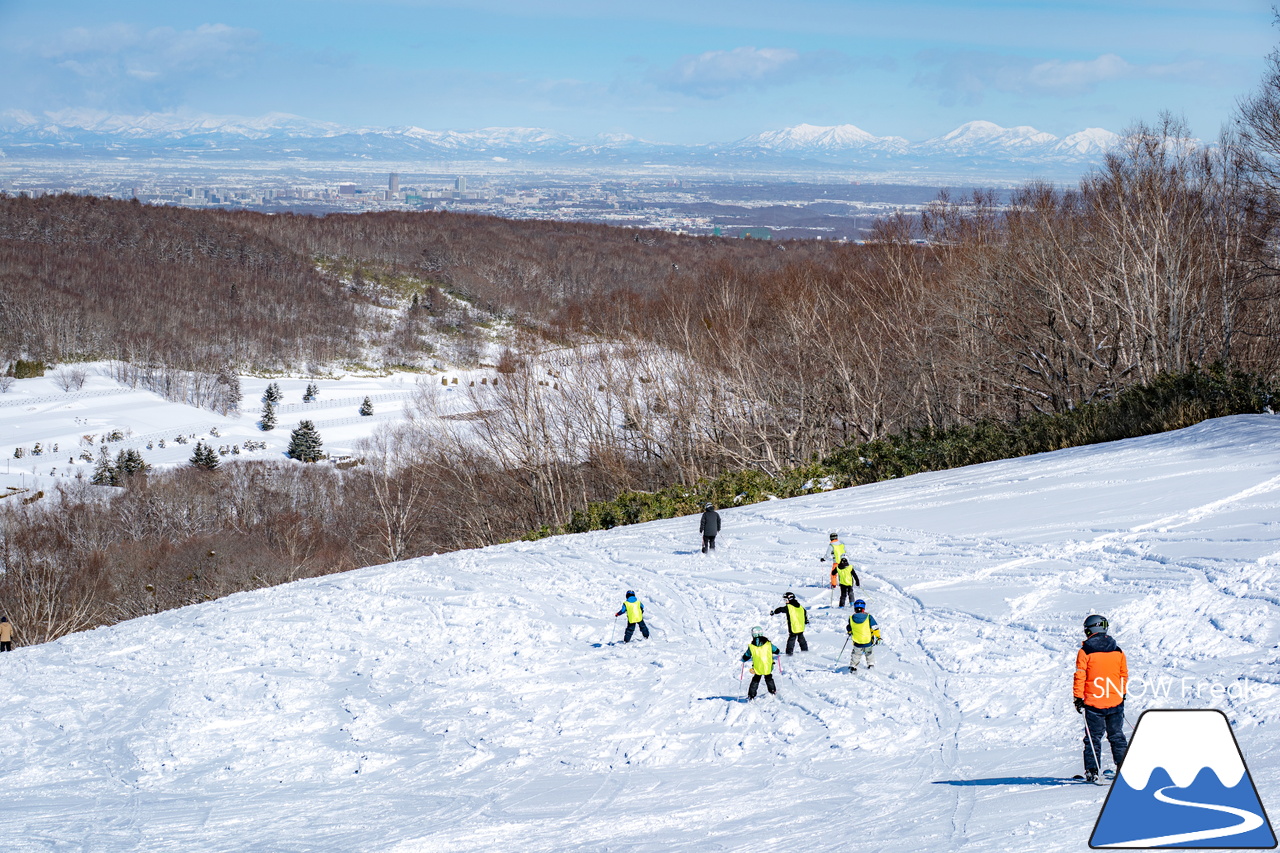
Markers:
point(709, 527)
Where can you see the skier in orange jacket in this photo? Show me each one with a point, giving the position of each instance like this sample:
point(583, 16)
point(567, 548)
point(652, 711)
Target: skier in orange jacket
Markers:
point(1101, 682)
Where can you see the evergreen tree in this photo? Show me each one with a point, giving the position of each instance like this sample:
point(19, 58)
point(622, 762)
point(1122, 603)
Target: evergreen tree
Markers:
point(304, 443)
point(229, 396)
point(268, 421)
point(104, 474)
point(205, 457)
point(272, 394)
point(130, 462)
point(312, 393)
point(366, 408)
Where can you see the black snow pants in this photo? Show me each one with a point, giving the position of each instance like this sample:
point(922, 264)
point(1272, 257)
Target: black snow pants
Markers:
point(1098, 721)
point(631, 629)
point(708, 542)
point(755, 685)
point(791, 642)
point(846, 594)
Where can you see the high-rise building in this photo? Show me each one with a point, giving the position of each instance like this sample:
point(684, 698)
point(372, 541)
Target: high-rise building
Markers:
point(393, 184)
point(460, 184)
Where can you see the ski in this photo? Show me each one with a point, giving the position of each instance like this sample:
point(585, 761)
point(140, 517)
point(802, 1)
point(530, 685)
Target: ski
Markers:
point(1102, 779)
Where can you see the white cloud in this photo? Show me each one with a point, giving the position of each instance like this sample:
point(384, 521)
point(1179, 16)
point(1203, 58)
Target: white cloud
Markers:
point(717, 73)
point(1077, 76)
point(121, 66)
point(965, 76)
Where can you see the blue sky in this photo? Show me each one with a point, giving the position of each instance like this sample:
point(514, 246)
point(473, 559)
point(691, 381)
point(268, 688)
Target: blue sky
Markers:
point(663, 70)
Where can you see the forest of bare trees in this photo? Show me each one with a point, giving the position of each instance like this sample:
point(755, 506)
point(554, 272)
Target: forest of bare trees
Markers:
point(687, 357)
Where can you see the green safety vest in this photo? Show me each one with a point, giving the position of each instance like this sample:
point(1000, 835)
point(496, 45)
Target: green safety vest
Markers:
point(837, 551)
point(860, 631)
point(635, 612)
point(844, 576)
point(795, 618)
point(762, 658)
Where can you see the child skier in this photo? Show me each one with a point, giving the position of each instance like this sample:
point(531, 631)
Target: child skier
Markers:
point(1100, 684)
point(635, 616)
point(835, 551)
point(761, 653)
point(847, 578)
point(864, 634)
point(797, 617)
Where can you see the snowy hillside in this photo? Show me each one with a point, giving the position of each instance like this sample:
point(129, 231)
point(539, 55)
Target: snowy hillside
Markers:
point(474, 702)
point(51, 434)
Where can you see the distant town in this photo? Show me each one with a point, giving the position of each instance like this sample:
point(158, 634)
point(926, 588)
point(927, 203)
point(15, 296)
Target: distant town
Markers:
point(756, 208)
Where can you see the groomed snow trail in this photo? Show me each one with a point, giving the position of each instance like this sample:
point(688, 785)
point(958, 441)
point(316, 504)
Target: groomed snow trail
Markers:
point(473, 701)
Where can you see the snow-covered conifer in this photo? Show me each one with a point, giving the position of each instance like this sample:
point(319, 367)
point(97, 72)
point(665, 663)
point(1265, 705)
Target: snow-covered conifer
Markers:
point(304, 443)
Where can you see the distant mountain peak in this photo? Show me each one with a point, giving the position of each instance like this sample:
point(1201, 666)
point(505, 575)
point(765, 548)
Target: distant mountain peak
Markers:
point(977, 148)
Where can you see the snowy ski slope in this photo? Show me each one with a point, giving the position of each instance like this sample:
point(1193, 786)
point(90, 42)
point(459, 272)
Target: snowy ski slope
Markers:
point(473, 701)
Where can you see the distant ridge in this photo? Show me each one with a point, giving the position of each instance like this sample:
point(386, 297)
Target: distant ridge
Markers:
point(979, 145)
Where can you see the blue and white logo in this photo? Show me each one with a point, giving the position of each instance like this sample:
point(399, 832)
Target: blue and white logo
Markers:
point(1183, 784)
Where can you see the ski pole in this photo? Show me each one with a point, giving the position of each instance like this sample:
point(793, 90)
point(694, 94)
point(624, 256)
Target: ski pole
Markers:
point(613, 635)
point(840, 654)
point(1088, 738)
point(742, 671)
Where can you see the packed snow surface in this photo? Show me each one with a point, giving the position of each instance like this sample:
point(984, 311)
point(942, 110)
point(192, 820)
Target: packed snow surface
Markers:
point(477, 700)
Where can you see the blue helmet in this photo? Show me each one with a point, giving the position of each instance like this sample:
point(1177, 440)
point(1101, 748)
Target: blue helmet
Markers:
point(859, 605)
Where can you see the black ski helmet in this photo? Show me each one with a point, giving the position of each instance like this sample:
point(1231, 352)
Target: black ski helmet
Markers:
point(1095, 624)
point(708, 506)
point(835, 535)
point(789, 596)
point(859, 605)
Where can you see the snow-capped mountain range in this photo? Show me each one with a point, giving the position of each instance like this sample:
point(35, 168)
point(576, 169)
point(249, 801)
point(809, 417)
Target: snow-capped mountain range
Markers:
point(88, 133)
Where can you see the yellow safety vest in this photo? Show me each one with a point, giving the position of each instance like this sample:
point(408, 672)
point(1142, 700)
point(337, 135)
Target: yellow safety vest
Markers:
point(762, 658)
point(844, 576)
point(837, 551)
point(635, 612)
point(795, 618)
point(860, 631)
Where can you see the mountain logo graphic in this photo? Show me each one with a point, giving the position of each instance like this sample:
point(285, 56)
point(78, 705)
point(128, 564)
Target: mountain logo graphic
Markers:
point(1183, 784)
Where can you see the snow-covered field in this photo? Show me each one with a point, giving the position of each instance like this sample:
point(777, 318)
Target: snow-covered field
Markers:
point(474, 701)
point(38, 412)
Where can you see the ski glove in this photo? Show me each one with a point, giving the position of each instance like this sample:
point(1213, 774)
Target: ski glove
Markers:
point(1079, 703)
point(877, 642)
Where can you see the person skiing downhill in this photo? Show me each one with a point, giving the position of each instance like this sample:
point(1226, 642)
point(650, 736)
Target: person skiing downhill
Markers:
point(761, 653)
point(635, 616)
point(797, 618)
point(835, 550)
point(1099, 687)
point(864, 633)
point(709, 527)
point(847, 578)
